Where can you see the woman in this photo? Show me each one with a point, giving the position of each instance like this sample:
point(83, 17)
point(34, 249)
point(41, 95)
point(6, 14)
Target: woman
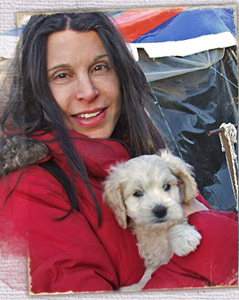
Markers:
point(77, 98)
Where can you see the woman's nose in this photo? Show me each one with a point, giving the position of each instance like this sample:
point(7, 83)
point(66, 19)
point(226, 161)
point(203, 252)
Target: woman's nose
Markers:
point(86, 90)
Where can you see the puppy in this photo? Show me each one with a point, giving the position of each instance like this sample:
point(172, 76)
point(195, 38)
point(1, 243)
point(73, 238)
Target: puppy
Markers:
point(149, 190)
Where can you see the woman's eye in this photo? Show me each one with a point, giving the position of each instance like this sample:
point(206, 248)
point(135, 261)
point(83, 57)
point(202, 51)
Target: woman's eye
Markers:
point(166, 187)
point(100, 67)
point(61, 75)
point(138, 193)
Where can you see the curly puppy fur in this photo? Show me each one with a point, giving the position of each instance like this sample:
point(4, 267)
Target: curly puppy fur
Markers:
point(149, 191)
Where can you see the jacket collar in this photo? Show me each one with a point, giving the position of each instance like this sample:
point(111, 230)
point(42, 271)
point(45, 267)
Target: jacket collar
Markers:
point(98, 154)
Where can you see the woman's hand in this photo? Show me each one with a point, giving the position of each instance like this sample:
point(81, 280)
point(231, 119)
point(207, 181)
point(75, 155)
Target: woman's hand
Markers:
point(192, 207)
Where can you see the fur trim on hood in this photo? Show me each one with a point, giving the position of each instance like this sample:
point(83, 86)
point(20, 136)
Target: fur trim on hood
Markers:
point(18, 152)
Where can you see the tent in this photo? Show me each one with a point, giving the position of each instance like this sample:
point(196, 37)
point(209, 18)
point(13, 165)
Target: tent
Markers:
point(189, 58)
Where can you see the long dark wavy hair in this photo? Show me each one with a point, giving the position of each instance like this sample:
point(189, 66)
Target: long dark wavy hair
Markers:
point(32, 108)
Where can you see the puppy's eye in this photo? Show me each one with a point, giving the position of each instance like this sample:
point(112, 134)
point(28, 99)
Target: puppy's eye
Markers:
point(166, 187)
point(138, 193)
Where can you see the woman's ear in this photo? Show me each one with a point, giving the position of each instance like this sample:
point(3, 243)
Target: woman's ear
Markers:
point(184, 173)
point(113, 195)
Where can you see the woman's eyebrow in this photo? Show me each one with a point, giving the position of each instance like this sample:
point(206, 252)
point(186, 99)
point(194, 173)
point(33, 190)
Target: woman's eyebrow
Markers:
point(67, 65)
point(58, 66)
point(100, 56)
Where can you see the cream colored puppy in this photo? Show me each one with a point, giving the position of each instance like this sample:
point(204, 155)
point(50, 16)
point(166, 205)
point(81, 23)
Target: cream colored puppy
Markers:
point(150, 190)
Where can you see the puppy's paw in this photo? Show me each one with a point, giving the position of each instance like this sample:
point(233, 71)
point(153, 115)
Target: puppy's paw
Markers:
point(131, 288)
point(184, 239)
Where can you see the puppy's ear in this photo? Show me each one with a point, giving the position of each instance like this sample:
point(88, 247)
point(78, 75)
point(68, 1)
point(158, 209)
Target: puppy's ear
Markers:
point(113, 195)
point(184, 172)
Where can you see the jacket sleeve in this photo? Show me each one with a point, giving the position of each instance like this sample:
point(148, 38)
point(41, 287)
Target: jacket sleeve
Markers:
point(215, 261)
point(64, 254)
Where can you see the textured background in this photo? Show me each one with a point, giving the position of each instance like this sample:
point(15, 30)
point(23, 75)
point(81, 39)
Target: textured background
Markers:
point(8, 10)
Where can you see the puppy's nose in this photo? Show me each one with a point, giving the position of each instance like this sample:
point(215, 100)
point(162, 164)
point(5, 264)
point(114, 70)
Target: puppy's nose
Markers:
point(160, 211)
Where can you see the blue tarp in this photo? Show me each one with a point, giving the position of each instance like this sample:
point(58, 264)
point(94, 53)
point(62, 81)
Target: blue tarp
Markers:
point(192, 23)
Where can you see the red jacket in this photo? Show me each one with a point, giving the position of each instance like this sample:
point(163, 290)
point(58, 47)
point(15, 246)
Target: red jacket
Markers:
point(73, 254)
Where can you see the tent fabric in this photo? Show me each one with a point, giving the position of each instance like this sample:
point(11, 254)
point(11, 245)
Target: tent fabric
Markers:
point(171, 66)
point(135, 24)
point(202, 22)
point(187, 47)
point(191, 103)
point(179, 32)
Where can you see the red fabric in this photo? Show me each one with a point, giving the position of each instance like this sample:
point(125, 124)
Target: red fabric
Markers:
point(134, 23)
point(73, 254)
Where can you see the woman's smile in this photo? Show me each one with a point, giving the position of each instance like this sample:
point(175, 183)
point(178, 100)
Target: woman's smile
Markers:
point(83, 82)
point(89, 119)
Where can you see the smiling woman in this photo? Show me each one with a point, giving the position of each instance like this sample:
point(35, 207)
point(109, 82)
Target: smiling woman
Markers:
point(77, 103)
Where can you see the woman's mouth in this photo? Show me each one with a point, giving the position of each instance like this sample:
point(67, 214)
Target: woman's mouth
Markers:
point(90, 119)
point(89, 115)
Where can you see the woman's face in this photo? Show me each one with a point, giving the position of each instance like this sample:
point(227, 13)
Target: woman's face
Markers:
point(83, 82)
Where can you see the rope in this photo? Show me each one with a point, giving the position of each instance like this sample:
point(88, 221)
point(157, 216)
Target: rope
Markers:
point(228, 139)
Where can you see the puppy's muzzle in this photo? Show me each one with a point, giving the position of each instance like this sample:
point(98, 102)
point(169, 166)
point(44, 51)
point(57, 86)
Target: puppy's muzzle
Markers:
point(160, 212)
